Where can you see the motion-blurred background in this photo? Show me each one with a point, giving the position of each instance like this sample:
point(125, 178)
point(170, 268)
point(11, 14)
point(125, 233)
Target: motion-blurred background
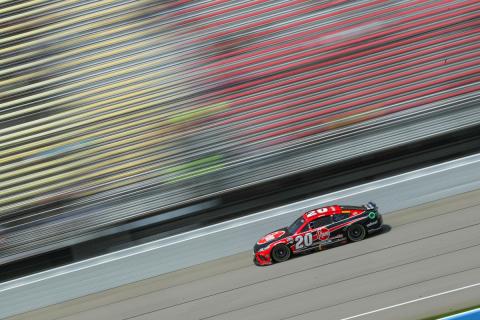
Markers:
point(124, 121)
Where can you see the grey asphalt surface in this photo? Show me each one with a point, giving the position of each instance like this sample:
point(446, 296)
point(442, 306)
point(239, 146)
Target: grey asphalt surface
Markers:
point(430, 249)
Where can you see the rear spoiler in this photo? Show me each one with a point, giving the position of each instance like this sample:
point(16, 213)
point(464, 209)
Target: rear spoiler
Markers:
point(370, 206)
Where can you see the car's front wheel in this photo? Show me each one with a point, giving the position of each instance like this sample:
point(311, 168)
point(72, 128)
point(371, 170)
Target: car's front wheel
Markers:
point(280, 253)
point(356, 233)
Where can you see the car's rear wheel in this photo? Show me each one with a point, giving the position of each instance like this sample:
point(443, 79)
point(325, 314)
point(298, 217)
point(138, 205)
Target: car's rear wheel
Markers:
point(356, 233)
point(280, 253)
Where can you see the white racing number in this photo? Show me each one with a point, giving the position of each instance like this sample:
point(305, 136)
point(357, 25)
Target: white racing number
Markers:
point(303, 241)
point(322, 210)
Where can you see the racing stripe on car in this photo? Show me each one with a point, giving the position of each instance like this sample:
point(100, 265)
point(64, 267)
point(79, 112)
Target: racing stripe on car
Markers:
point(334, 228)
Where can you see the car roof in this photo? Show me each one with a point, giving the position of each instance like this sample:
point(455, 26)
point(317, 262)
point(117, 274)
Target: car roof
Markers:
point(330, 210)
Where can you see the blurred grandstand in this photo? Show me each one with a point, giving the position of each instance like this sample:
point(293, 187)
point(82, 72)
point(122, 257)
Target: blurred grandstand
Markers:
point(115, 110)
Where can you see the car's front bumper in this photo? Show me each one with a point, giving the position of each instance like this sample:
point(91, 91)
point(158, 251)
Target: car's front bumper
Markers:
point(262, 258)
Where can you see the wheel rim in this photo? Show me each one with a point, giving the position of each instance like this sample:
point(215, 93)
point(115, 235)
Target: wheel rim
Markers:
point(356, 233)
point(280, 253)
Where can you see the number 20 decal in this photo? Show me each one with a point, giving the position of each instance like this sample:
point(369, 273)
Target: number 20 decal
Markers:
point(303, 241)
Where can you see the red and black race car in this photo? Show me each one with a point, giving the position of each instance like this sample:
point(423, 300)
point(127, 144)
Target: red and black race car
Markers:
point(318, 229)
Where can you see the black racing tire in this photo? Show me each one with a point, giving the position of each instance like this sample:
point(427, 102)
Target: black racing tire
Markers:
point(356, 233)
point(281, 253)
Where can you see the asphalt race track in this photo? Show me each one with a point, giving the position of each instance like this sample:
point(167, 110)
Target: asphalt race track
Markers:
point(428, 263)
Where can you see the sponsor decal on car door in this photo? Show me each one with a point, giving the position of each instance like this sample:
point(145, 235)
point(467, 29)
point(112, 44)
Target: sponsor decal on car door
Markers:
point(323, 233)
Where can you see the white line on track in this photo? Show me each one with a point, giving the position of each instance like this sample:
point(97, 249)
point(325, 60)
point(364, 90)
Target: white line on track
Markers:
point(412, 301)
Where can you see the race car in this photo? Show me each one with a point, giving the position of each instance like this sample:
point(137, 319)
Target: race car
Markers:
point(318, 229)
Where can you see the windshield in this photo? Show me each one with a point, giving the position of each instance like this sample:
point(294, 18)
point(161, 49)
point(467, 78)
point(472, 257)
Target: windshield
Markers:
point(295, 225)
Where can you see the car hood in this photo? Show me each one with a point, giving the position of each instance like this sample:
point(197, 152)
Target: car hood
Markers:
point(271, 237)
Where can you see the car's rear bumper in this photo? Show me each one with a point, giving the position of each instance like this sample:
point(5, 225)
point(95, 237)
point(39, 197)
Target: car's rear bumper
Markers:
point(376, 226)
